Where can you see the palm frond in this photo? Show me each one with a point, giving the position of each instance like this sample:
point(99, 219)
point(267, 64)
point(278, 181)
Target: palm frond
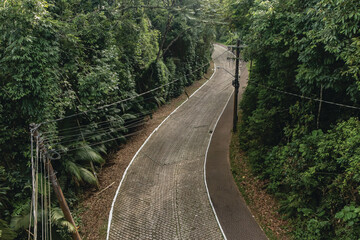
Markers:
point(20, 221)
point(128, 116)
point(159, 100)
point(3, 197)
point(67, 225)
point(89, 154)
point(73, 169)
point(6, 231)
point(87, 176)
point(58, 219)
point(56, 215)
point(101, 149)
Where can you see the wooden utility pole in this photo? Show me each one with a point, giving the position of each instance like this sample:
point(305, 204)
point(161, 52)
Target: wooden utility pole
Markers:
point(236, 85)
point(60, 197)
point(57, 189)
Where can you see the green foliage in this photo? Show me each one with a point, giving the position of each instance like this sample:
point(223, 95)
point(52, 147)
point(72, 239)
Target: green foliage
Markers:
point(308, 152)
point(59, 226)
point(316, 176)
point(6, 232)
point(58, 219)
point(4, 200)
point(60, 58)
point(349, 218)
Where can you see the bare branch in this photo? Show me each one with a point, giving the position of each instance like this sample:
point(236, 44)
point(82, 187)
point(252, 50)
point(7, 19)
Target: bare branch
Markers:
point(174, 40)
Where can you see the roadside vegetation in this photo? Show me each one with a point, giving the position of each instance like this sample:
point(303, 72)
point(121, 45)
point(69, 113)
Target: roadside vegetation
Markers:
point(262, 204)
point(300, 128)
point(65, 64)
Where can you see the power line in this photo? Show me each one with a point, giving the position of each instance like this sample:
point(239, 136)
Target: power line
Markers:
point(305, 97)
point(89, 136)
point(107, 129)
point(55, 132)
point(98, 143)
point(97, 125)
point(103, 132)
point(104, 128)
point(130, 98)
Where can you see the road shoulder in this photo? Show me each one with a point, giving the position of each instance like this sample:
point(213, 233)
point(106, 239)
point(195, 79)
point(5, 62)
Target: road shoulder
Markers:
point(231, 209)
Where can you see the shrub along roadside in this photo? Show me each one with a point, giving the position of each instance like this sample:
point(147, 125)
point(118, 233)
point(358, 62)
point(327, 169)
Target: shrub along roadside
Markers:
point(59, 58)
point(262, 204)
point(317, 180)
point(305, 55)
point(94, 203)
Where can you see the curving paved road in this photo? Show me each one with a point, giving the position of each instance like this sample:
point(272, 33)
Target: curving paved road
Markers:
point(231, 209)
point(163, 193)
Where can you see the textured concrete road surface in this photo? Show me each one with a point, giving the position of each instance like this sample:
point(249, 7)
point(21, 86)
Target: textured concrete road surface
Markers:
point(235, 218)
point(163, 194)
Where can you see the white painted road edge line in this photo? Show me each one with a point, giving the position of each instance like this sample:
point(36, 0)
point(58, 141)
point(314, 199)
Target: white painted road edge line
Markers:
point(206, 154)
point(205, 168)
point(207, 150)
point(126, 170)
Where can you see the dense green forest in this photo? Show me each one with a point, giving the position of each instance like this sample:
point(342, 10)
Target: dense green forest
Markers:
point(90, 71)
point(300, 125)
point(85, 69)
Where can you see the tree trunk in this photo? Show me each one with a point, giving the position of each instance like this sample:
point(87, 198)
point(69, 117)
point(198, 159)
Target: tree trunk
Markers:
point(163, 39)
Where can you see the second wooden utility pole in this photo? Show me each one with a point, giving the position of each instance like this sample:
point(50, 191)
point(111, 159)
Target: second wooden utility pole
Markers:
point(56, 187)
point(236, 85)
point(60, 197)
